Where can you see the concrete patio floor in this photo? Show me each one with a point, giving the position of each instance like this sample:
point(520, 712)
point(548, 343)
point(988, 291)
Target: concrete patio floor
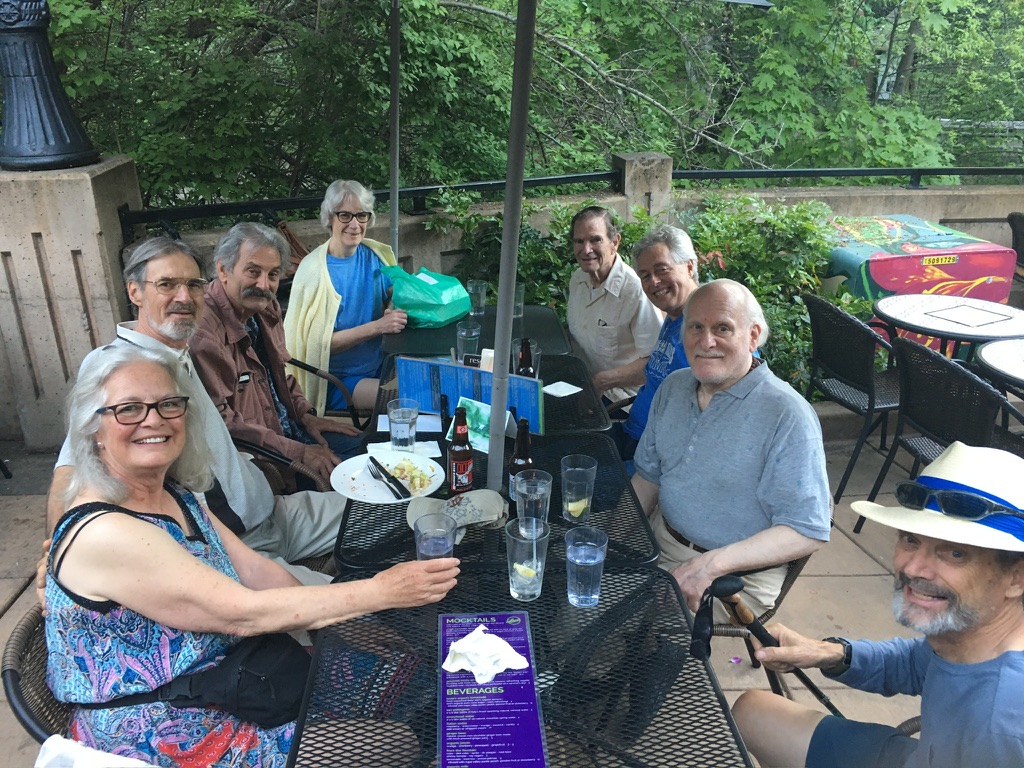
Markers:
point(844, 590)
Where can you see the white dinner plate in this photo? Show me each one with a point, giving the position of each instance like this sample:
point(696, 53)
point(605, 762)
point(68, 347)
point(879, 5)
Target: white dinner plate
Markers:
point(351, 478)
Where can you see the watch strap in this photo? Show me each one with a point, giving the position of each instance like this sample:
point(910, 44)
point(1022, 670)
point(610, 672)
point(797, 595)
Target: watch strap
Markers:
point(837, 669)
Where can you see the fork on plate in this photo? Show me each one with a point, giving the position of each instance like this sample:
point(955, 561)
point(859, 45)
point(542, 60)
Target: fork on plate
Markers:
point(376, 475)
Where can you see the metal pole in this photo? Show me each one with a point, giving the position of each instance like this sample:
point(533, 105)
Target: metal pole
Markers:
point(396, 62)
point(526, 20)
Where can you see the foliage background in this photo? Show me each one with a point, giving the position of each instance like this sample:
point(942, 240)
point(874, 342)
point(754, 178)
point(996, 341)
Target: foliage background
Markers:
point(241, 99)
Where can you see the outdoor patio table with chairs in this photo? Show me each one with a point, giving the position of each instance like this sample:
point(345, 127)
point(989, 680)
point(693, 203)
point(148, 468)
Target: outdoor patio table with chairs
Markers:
point(1003, 361)
point(957, 319)
point(376, 536)
point(616, 684)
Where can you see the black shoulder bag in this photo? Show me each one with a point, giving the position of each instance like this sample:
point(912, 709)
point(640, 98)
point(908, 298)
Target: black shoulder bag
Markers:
point(261, 680)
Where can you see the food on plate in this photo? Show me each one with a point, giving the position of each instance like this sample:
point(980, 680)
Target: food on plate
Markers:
point(415, 478)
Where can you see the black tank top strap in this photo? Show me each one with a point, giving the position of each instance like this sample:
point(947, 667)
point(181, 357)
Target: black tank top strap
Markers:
point(96, 509)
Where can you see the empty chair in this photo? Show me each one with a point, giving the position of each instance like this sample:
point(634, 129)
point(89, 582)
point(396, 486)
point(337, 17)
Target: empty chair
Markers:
point(843, 369)
point(942, 401)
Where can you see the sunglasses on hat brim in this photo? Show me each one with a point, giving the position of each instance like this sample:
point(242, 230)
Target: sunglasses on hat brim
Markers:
point(961, 504)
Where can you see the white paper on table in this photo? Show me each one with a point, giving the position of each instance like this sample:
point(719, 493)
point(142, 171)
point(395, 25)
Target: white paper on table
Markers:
point(428, 448)
point(561, 389)
point(483, 654)
point(425, 422)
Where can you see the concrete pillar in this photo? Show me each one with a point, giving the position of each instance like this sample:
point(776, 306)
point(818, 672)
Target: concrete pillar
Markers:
point(61, 292)
point(647, 180)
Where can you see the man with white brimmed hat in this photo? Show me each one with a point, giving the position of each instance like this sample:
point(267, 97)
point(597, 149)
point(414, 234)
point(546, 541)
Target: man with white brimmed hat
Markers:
point(959, 580)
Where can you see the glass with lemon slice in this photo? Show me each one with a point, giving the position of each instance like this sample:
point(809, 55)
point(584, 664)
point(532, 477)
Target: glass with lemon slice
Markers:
point(527, 547)
point(578, 474)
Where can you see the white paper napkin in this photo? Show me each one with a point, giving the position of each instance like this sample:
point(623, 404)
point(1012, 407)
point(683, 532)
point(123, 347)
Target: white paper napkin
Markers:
point(483, 654)
point(428, 448)
point(561, 389)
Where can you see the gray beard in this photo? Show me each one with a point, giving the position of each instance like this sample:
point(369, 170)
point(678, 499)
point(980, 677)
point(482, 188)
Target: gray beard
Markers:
point(956, 618)
point(179, 330)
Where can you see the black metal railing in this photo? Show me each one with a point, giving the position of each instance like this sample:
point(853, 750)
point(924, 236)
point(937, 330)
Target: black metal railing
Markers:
point(269, 209)
point(913, 174)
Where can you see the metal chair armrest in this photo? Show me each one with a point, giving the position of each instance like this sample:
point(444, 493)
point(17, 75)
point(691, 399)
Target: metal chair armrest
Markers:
point(345, 392)
point(268, 454)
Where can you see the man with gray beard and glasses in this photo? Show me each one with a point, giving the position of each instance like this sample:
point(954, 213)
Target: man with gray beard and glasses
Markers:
point(165, 283)
point(959, 566)
point(240, 354)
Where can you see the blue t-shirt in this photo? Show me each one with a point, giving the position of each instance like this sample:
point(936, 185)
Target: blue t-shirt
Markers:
point(667, 356)
point(363, 289)
point(970, 713)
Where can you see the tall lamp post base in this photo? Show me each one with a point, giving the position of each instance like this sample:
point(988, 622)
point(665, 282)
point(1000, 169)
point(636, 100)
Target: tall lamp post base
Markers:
point(40, 129)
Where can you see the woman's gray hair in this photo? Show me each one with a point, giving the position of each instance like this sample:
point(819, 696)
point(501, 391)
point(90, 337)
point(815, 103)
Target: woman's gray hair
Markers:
point(336, 194)
point(191, 468)
point(679, 245)
point(229, 247)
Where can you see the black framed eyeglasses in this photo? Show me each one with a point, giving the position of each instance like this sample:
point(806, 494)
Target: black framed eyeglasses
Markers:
point(963, 504)
point(135, 412)
point(169, 287)
point(346, 216)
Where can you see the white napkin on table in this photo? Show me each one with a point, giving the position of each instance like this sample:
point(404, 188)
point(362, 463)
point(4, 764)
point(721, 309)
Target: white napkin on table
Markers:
point(483, 654)
point(561, 389)
point(426, 448)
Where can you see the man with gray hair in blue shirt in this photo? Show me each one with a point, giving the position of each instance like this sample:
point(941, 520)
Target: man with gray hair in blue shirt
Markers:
point(731, 467)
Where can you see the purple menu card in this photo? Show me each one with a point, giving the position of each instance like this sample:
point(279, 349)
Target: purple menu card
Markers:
point(490, 724)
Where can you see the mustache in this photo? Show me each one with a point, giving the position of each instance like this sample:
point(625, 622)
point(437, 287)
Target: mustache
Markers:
point(252, 292)
point(183, 306)
point(925, 587)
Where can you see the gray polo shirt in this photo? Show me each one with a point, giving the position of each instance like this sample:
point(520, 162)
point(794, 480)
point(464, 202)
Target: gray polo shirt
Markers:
point(752, 460)
point(245, 488)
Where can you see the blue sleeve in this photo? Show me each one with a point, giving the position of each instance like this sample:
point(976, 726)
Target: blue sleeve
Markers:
point(889, 667)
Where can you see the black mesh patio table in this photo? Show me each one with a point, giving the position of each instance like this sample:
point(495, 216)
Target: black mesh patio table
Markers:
point(377, 535)
point(579, 412)
point(539, 323)
point(616, 684)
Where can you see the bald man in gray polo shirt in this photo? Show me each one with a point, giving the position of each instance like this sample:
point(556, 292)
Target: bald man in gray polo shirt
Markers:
point(731, 466)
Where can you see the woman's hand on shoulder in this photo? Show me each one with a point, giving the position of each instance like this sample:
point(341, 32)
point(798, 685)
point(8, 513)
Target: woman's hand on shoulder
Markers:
point(418, 582)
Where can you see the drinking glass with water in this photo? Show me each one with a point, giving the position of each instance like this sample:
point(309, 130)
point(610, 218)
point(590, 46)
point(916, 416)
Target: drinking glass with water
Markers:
point(402, 415)
point(585, 550)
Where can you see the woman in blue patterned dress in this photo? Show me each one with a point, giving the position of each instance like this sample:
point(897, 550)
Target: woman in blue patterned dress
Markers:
point(143, 585)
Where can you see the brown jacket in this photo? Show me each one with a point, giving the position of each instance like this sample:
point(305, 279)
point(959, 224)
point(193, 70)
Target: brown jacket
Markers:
point(236, 380)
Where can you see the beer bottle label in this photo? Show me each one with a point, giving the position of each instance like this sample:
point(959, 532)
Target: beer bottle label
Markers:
point(462, 475)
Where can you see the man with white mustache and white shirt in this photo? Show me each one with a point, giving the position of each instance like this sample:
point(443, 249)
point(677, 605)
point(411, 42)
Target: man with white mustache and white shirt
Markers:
point(731, 467)
point(164, 278)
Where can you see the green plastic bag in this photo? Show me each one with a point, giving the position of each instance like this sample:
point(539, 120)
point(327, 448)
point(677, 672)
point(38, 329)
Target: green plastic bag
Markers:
point(430, 299)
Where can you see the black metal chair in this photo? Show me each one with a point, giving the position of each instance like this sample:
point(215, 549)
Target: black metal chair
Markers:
point(942, 401)
point(350, 409)
point(1016, 222)
point(24, 679)
point(843, 369)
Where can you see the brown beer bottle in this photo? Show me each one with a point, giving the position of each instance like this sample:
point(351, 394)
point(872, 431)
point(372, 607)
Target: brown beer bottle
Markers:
point(525, 365)
point(460, 456)
point(520, 456)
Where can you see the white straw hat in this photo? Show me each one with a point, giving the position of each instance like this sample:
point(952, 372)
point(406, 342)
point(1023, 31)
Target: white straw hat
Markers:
point(988, 472)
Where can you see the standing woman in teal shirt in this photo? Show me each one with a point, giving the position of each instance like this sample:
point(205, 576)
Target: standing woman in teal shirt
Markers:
point(339, 309)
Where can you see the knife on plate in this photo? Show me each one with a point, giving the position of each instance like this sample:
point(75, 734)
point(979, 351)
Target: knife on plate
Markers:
point(390, 480)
